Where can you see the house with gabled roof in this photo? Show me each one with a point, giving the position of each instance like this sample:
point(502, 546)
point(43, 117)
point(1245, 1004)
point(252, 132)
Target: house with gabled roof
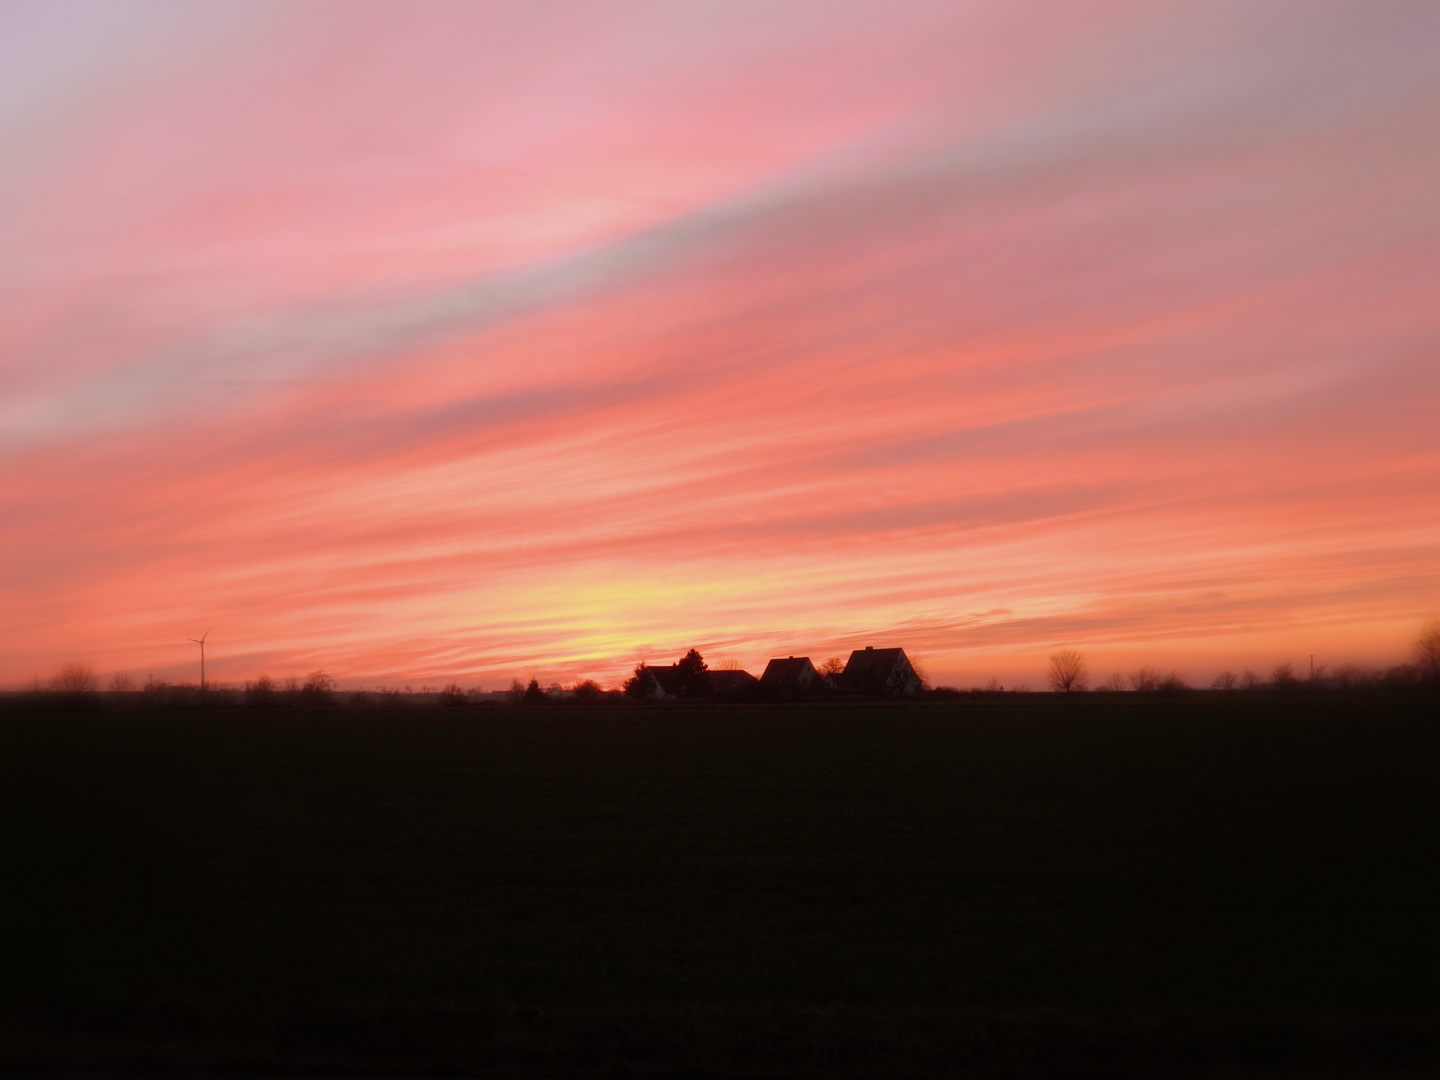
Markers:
point(667, 681)
point(660, 681)
point(790, 676)
point(732, 683)
point(881, 673)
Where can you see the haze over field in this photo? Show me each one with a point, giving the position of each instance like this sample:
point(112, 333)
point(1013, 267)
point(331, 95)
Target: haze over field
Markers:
point(461, 340)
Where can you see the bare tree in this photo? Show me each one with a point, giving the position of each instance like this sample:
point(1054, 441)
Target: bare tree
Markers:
point(75, 679)
point(260, 693)
point(121, 683)
point(920, 673)
point(1426, 651)
point(587, 692)
point(516, 694)
point(1114, 684)
point(1174, 683)
point(1283, 676)
point(1353, 676)
point(1146, 680)
point(319, 689)
point(1068, 673)
point(1226, 680)
point(452, 695)
point(728, 665)
point(1249, 681)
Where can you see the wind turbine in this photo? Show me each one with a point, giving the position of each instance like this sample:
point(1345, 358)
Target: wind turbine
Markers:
point(201, 642)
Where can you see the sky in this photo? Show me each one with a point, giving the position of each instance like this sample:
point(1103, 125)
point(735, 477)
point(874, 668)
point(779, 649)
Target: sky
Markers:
point(420, 342)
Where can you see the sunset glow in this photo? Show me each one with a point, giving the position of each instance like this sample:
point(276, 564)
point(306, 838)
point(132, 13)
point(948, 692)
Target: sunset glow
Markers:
point(431, 342)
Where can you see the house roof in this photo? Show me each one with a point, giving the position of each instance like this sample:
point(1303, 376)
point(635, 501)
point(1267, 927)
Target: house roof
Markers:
point(871, 663)
point(667, 677)
point(789, 669)
point(724, 681)
point(670, 679)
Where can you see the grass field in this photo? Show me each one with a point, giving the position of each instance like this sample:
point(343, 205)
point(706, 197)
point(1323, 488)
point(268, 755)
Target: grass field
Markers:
point(1007, 885)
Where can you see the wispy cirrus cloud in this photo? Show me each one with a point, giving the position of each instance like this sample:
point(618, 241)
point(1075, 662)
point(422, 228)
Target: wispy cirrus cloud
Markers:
point(474, 342)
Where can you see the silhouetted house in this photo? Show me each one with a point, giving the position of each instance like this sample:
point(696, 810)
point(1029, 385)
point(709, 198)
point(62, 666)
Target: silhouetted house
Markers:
point(792, 676)
point(663, 682)
point(668, 681)
point(732, 685)
point(880, 673)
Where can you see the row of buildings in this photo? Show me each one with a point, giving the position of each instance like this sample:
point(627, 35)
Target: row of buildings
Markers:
point(870, 672)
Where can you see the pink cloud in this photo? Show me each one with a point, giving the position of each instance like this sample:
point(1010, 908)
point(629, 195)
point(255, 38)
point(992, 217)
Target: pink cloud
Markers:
point(473, 343)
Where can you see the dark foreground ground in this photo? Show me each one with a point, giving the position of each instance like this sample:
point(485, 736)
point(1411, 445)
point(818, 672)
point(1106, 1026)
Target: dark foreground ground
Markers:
point(1216, 884)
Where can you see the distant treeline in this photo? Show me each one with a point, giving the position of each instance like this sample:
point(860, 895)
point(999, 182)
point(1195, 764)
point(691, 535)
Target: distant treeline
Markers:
point(1070, 674)
point(76, 686)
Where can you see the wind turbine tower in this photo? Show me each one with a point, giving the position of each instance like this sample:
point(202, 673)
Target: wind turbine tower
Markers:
point(201, 642)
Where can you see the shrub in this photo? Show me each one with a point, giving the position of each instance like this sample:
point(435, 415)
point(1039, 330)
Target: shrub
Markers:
point(75, 679)
point(1146, 680)
point(1283, 677)
point(1173, 683)
point(1353, 676)
point(260, 693)
point(1426, 652)
point(319, 689)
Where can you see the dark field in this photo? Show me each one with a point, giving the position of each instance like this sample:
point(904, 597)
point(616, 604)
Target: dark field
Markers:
point(1017, 885)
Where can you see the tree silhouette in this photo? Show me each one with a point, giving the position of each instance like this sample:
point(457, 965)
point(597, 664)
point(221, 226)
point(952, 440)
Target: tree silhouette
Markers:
point(1145, 681)
point(260, 693)
point(694, 674)
point(74, 679)
point(1426, 651)
point(587, 692)
point(1068, 673)
point(634, 686)
point(533, 694)
point(319, 689)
